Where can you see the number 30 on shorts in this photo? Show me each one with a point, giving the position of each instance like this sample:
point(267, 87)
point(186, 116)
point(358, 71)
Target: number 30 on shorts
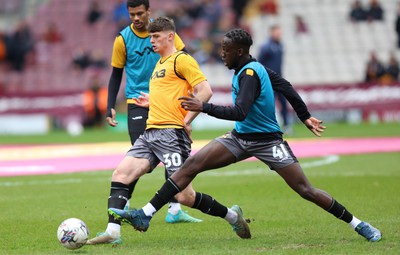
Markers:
point(173, 159)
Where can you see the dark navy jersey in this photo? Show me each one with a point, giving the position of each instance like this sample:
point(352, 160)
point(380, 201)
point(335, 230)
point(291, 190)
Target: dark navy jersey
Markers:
point(271, 56)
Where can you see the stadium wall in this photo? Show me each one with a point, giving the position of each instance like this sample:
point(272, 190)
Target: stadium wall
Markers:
point(353, 103)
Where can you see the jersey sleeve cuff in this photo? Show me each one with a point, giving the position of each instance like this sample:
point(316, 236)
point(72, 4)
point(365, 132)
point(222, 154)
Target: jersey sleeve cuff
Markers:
point(206, 107)
point(305, 117)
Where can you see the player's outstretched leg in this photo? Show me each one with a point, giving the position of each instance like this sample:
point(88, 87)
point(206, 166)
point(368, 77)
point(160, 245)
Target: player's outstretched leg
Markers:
point(368, 231)
point(136, 218)
point(296, 179)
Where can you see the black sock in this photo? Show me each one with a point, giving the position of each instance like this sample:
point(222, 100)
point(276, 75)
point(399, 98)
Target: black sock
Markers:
point(340, 212)
point(165, 194)
point(209, 205)
point(172, 200)
point(132, 188)
point(119, 193)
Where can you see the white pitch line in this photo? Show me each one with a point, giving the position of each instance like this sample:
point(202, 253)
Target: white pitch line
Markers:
point(316, 163)
point(320, 162)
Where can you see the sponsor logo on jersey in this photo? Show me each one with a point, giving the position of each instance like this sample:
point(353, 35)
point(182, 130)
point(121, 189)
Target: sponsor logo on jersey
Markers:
point(146, 50)
point(158, 74)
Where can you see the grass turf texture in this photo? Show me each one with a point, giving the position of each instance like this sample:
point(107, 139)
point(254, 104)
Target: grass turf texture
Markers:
point(281, 222)
point(32, 207)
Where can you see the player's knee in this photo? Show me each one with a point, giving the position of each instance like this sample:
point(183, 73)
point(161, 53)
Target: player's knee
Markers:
point(306, 191)
point(119, 175)
point(126, 175)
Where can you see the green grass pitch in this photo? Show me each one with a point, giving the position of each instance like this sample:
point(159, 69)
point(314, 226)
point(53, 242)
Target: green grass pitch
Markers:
point(32, 207)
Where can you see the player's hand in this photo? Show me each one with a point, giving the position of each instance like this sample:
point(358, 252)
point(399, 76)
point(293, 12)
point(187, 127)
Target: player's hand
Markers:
point(111, 120)
point(191, 103)
point(143, 100)
point(314, 125)
point(188, 129)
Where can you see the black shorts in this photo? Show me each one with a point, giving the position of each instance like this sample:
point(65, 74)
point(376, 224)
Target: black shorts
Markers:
point(137, 117)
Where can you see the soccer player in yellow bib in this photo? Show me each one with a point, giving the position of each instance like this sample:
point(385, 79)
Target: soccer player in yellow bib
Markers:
point(133, 53)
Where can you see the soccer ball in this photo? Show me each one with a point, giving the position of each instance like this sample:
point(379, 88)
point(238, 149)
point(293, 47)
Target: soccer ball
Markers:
point(72, 233)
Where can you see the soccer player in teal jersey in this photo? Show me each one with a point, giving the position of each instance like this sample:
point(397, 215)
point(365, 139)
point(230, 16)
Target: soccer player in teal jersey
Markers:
point(256, 134)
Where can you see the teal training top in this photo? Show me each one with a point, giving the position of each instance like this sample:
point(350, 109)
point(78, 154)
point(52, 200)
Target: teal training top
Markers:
point(261, 118)
point(140, 63)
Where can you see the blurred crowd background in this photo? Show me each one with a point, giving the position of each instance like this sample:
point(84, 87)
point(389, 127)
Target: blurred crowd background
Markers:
point(65, 46)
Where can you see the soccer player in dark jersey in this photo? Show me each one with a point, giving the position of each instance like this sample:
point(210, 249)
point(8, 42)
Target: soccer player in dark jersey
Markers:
point(133, 52)
point(256, 133)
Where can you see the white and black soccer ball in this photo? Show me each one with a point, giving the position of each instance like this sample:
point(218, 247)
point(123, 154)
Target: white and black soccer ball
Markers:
point(72, 233)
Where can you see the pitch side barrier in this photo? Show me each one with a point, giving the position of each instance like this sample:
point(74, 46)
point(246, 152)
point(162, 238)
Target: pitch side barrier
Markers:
point(343, 102)
point(331, 102)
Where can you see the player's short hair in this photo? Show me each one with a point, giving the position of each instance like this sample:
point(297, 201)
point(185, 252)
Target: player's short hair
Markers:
point(136, 3)
point(162, 24)
point(240, 37)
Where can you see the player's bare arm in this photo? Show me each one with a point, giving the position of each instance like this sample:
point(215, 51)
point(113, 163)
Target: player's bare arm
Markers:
point(314, 125)
point(203, 93)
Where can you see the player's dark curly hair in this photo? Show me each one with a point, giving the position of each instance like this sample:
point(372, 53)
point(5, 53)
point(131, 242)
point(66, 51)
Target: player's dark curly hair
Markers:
point(240, 36)
point(136, 3)
point(162, 24)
